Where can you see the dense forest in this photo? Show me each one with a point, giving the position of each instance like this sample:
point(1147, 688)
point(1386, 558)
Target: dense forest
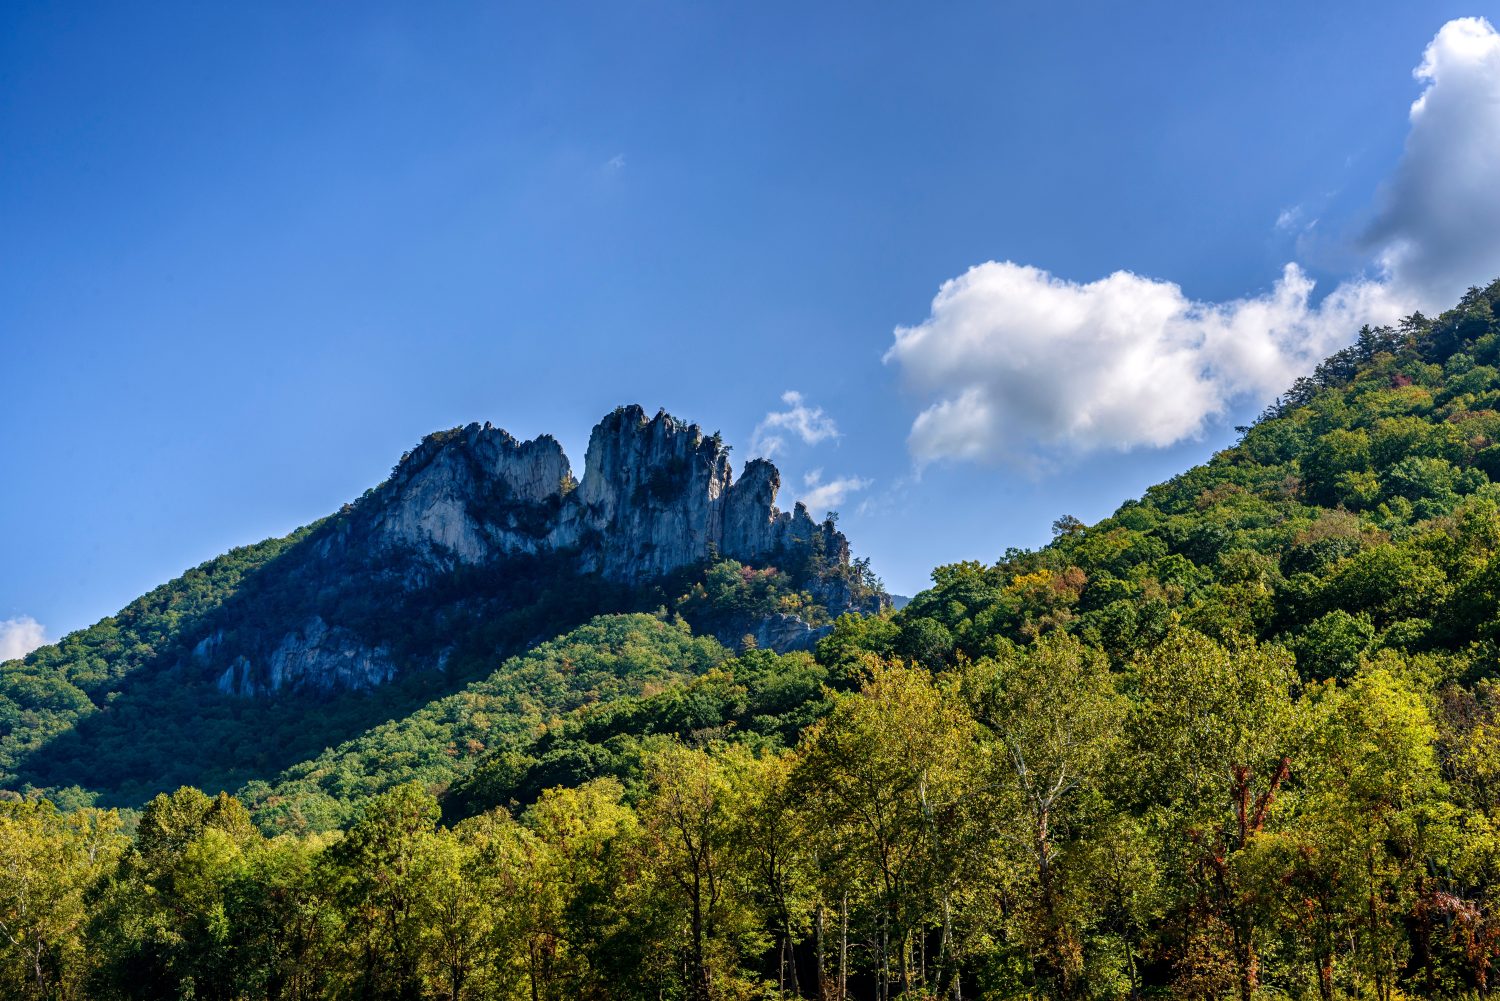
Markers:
point(81, 721)
point(1239, 740)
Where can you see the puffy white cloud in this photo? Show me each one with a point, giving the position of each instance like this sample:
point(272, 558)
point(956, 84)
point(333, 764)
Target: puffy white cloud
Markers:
point(806, 422)
point(20, 636)
point(1438, 229)
point(1017, 358)
point(1016, 364)
point(820, 496)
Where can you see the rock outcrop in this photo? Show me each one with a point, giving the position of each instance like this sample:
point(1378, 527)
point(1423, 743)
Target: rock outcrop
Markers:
point(656, 495)
point(785, 633)
point(473, 493)
point(651, 499)
point(314, 657)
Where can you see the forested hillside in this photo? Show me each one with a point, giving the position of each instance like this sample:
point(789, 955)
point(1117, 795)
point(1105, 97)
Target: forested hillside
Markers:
point(1357, 515)
point(55, 687)
point(608, 660)
point(1238, 740)
point(122, 710)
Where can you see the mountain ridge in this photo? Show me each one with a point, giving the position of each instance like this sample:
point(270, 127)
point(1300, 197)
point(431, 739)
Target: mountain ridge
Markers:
point(477, 547)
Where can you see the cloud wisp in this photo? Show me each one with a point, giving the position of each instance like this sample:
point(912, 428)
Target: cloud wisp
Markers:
point(800, 420)
point(20, 636)
point(820, 496)
point(1017, 365)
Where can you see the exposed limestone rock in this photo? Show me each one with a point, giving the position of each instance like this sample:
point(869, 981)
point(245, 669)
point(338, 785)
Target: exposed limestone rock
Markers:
point(657, 494)
point(751, 520)
point(313, 658)
point(785, 633)
point(651, 500)
point(473, 494)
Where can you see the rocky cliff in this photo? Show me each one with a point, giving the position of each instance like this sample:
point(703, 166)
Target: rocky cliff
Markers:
point(312, 657)
point(657, 494)
point(472, 494)
point(468, 506)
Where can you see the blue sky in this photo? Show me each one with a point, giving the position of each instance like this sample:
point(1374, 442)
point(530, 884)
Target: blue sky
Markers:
point(251, 253)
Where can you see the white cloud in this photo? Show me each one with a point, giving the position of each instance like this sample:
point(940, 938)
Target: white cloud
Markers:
point(616, 162)
point(806, 422)
point(1438, 228)
point(820, 496)
point(1015, 364)
point(20, 636)
point(1017, 358)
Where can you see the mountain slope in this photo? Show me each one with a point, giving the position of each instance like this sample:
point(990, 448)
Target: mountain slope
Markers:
point(1360, 513)
point(605, 660)
point(477, 547)
point(1357, 515)
point(48, 692)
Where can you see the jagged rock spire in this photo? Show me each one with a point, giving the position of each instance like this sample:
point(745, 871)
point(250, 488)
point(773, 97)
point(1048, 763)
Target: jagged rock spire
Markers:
point(656, 494)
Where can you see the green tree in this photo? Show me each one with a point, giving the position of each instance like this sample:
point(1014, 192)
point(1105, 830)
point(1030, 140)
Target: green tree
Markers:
point(575, 879)
point(886, 779)
point(1055, 715)
point(1211, 740)
point(1373, 819)
point(48, 863)
point(691, 826)
point(161, 925)
point(381, 875)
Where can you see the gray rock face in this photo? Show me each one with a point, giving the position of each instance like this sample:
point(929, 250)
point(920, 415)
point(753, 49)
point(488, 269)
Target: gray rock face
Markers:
point(651, 500)
point(751, 521)
point(657, 494)
point(473, 494)
point(313, 658)
point(785, 633)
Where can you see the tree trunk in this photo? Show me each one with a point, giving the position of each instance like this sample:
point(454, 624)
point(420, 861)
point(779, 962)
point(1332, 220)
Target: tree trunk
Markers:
point(950, 959)
point(844, 948)
point(905, 962)
point(818, 945)
point(944, 945)
point(1249, 964)
point(700, 988)
point(885, 955)
point(1058, 947)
